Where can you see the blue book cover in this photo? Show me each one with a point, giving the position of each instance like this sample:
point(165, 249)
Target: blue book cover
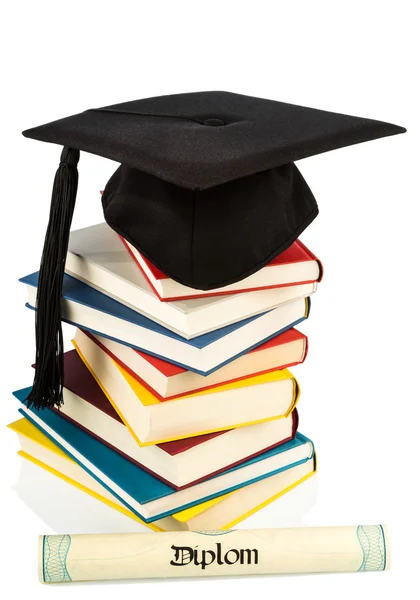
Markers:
point(77, 291)
point(140, 485)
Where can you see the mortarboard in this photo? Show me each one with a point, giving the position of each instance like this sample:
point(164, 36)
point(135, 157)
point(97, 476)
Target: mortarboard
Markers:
point(207, 190)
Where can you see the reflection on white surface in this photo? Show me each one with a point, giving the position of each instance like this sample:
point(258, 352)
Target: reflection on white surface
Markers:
point(64, 508)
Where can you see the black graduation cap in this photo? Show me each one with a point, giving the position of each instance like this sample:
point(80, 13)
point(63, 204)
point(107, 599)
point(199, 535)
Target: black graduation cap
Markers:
point(207, 190)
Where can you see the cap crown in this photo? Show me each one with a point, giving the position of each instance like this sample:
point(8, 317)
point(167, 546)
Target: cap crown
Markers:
point(209, 238)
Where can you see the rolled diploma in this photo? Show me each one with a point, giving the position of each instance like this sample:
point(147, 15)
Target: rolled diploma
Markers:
point(65, 558)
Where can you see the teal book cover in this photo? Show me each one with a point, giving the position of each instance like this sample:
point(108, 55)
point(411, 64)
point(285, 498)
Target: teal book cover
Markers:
point(137, 485)
point(80, 293)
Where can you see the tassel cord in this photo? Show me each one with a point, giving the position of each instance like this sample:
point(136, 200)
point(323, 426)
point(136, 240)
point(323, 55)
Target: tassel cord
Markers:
point(47, 390)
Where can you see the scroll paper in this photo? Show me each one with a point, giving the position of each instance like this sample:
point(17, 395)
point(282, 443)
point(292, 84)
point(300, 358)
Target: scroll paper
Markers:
point(66, 558)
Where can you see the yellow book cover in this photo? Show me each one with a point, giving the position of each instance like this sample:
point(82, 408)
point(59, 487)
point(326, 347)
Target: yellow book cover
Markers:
point(47, 455)
point(24, 428)
point(105, 377)
point(189, 514)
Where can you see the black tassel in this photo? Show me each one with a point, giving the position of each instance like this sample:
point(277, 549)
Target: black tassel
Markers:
point(47, 388)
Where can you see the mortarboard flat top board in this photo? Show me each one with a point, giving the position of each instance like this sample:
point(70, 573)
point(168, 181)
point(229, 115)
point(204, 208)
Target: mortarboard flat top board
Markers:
point(207, 188)
point(205, 139)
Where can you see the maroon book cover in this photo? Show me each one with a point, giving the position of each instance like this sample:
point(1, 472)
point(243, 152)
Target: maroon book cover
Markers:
point(78, 379)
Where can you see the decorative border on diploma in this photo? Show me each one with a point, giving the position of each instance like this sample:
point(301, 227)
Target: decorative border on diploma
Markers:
point(372, 541)
point(55, 550)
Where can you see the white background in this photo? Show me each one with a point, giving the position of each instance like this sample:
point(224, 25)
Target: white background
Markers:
point(360, 392)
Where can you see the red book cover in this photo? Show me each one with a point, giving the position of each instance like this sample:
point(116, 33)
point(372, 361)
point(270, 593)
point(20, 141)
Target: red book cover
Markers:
point(296, 253)
point(169, 369)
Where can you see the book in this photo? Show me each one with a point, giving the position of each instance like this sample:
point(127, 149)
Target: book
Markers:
point(37, 448)
point(180, 463)
point(151, 421)
point(295, 266)
point(145, 495)
point(220, 513)
point(98, 257)
point(89, 309)
point(233, 508)
point(168, 381)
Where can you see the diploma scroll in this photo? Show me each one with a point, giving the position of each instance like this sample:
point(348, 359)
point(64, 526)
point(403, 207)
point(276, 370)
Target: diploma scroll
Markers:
point(66, 558)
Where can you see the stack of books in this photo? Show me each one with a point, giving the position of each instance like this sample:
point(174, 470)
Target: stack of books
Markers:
point(179, 406)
